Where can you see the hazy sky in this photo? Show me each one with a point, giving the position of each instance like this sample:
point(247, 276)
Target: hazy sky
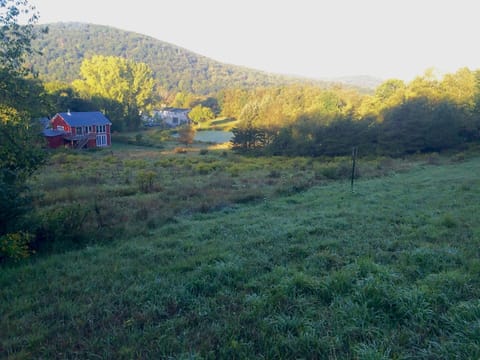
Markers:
point(314, 38)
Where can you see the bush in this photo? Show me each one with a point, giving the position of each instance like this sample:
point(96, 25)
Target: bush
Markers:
point(15, 246)
point(336, 171)
point(65, 224)
point(145, 180)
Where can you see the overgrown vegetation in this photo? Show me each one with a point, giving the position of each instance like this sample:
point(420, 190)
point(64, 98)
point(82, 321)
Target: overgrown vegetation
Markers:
point(223, 256)
point(84, 198)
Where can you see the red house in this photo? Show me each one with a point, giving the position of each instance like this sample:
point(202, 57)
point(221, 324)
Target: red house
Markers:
point(79, 130)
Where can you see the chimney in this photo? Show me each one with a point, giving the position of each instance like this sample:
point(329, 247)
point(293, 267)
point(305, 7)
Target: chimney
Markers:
point(69, 113)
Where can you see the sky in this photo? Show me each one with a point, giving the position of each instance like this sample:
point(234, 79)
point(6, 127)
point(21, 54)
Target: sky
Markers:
point(312, 38)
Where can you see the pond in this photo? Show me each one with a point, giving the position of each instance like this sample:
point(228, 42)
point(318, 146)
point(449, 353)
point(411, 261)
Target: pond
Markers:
point(212, 136)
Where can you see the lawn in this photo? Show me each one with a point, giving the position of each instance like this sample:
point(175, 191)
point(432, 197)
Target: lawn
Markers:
point(289, 263)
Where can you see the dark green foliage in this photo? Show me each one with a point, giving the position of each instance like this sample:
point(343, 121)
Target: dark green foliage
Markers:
point(175, 69)
point(421, 125)
point(250, 138)
point(20, 156)
point(64, 226)
point(20, 100)
point(418, 125)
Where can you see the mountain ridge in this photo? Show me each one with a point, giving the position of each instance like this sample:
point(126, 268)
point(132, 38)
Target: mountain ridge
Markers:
point(67, 44)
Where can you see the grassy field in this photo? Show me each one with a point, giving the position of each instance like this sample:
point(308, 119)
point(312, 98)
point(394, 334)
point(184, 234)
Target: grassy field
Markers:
point(213, 255)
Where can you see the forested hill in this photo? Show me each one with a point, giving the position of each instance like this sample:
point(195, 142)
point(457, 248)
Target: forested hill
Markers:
point(65, 46)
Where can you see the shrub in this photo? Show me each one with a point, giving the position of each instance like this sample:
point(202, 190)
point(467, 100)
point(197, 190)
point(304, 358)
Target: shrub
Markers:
point(15, 245)
point(145, 180)
point(64, 224)
point(336, 171)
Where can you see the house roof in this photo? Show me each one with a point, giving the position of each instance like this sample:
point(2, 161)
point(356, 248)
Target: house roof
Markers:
point(85, 118)
point(174, 110)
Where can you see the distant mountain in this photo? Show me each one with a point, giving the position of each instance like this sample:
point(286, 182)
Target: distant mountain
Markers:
point(65, 46)
point(360, 81)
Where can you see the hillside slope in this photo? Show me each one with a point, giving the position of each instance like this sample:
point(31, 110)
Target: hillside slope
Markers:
point(65, 46)
point(390, 271)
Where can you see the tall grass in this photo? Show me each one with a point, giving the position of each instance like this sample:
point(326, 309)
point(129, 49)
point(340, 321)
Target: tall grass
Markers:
point(130, 191)
point(390, 271)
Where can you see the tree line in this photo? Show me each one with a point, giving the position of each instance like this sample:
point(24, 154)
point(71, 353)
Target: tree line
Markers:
point(428, 114)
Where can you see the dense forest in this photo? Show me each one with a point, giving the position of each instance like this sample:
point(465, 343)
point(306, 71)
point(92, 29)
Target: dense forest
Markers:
point(66, 45)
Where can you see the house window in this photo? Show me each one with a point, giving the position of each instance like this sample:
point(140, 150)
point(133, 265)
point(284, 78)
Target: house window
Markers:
point(79, 131)
point(60, 127)
point(101, 140)
point(175, 120)
point(101, 129)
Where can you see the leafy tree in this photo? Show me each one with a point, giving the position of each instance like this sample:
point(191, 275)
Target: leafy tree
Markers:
point(62, 96)
point(426, 86)
point(183, 100)
point(201, 114)
point(249, 137)
point(121, 87)
point(20, 98)
point(389, 94)
point(16, 39)
point(460, 88)
point(19, 158)
point(186, 134)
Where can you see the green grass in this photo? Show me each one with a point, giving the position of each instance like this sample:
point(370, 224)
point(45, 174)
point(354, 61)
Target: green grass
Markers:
point(308, 270)
point(222, 123)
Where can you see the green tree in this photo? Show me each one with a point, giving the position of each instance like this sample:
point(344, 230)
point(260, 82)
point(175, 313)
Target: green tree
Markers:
point(16, 39)
point(389, 94)
point(20, 155)
point(186, 134)
point(201, 114)
point(183, 100)
point(122, 83)
point(249, 137)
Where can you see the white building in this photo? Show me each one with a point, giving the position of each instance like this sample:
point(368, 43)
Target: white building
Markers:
point(169, 116)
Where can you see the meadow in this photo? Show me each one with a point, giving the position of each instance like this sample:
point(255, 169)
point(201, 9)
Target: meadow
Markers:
point(202, 253)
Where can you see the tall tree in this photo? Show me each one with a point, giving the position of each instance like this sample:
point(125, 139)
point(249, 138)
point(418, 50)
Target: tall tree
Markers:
point(121, 82)
point(20, 155)
point(16, 39)
point(201, 114)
